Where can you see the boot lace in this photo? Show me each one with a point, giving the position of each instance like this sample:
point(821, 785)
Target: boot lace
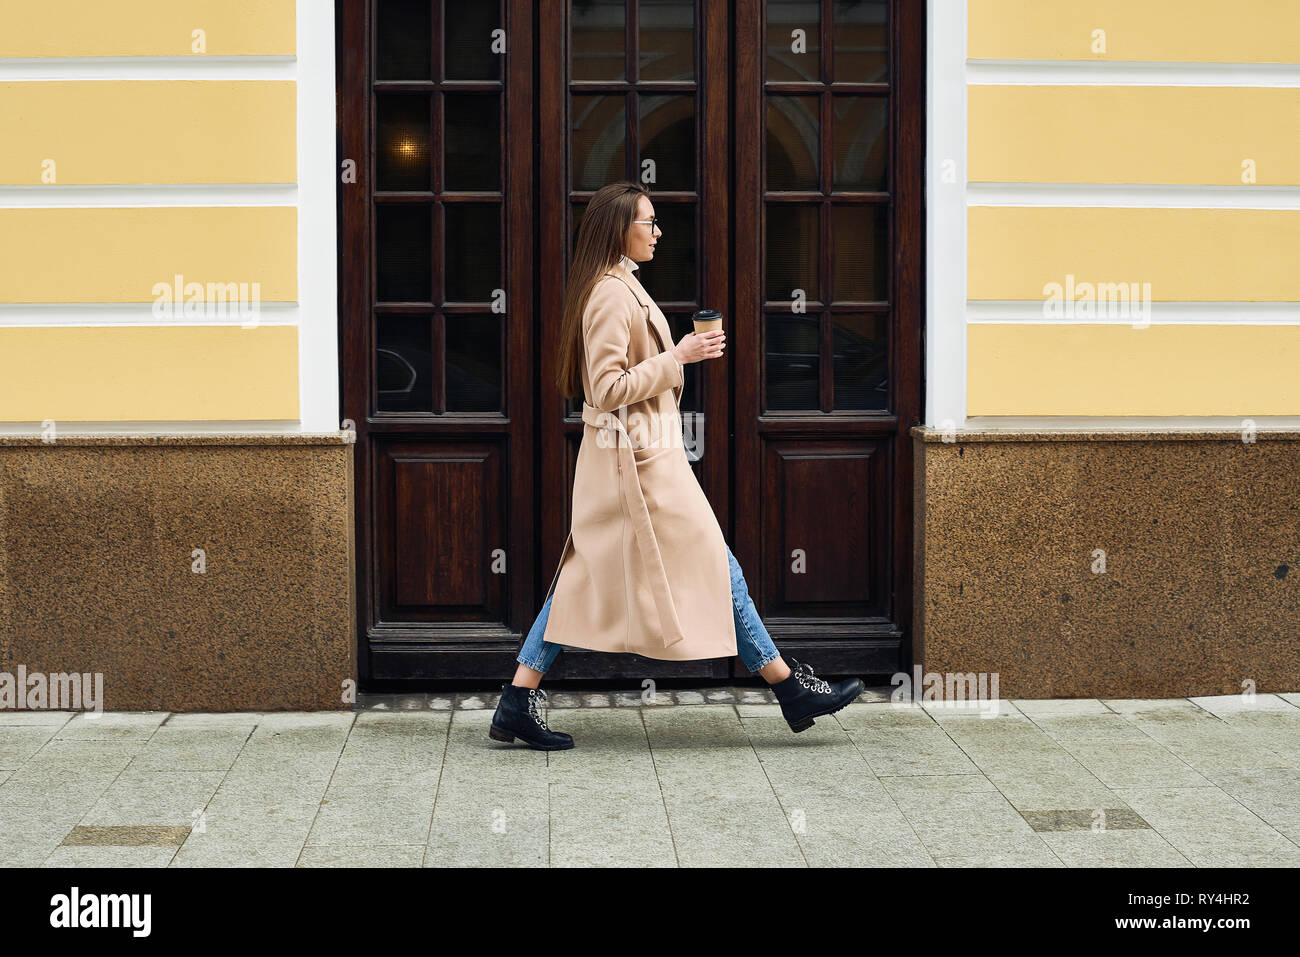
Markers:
point(534, 695)
point(803, 673)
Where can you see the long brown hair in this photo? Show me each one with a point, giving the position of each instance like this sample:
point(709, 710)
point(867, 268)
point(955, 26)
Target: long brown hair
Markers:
point(602, 240)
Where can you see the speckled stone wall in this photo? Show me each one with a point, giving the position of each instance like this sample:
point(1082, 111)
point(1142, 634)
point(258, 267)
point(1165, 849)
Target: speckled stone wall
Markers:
point(1200, 588)
point(97, 574)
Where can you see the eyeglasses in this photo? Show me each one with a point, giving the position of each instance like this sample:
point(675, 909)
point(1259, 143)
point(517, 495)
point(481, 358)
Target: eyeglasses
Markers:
point(653, 223)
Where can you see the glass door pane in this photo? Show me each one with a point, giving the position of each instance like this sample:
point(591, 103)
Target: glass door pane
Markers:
point(438, 208)
point(826, 203)
point(632, 115)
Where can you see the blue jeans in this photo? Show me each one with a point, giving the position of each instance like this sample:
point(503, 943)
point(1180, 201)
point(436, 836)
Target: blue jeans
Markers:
point(753, 643)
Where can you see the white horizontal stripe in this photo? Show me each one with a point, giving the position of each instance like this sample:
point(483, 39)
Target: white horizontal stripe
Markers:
point(1162, 313)
point(1126, 423)
point(136, 314)
point(180, 194)
point(1113, 73)
point(180, 427)
point(197, 67)
point(1126, 195)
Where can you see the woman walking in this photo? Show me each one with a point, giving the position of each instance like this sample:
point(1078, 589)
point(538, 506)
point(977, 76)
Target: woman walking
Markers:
point(645, 569)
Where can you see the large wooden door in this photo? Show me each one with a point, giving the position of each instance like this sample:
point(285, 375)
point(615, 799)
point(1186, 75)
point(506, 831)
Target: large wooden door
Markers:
point(637, 90)
point(781, 143)
point(438, 308)
point(786, 169)
point(827, 376)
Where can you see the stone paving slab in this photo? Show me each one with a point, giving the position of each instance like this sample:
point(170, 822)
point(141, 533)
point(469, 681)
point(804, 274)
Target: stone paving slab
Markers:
point(20, 718)
point(394, 855)
point(112, 726)
point(1210, 828)
point(690, 777)
point(141, 797)
point(83, 856)
point(19, 742)
point(1122, 848)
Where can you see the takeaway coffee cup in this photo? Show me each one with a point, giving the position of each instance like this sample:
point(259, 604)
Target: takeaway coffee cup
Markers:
point(707, 320)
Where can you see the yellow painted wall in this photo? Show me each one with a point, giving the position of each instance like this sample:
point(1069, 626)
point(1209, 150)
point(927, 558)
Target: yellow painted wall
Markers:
point(1186, 254)
point(117, 254)
point(1133, 134)
point(105, 132)
point(112, 28)
point(1179, 134)
point(142, 132)
point(146, 373)
point(1210, 31)
point(1115, 369)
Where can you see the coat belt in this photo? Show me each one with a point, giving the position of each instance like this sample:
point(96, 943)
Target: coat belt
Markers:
point(646, 541)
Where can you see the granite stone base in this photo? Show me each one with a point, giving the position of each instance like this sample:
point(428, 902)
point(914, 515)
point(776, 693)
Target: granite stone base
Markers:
point(194, 573)
point(1109, 564)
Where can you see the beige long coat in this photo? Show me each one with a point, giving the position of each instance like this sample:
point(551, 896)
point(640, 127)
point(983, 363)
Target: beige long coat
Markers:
point(645, 568)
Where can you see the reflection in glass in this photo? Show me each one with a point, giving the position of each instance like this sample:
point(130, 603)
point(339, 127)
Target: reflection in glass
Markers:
point(695, 436)
point(861, 142)
point(861, 253)
point(575, 220)
point(670, 276)
point(667, 136)
point(402, 149)
point(861, 366)
point(793, 143)
point(792, 252)
point(403, 249)
point(791, 57)
point(403, 364)
point(599, 147)
point(597, 45)
point(473, 363)
point(680, 324)
point(403, 34)
point(468, 51)
point(860, 41)
point(473, 252)
point(472, 145)
point(790, 358)
point(667, 39)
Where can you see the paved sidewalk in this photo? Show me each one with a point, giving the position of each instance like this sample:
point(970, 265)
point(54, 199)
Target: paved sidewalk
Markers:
point(700, 778)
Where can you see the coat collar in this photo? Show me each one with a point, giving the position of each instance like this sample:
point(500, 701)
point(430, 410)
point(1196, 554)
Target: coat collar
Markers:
point(663, 332)
point(623, 270)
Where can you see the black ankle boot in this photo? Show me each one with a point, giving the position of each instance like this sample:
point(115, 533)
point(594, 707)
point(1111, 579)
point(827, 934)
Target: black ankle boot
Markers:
point(519, 715)
point(804, 696)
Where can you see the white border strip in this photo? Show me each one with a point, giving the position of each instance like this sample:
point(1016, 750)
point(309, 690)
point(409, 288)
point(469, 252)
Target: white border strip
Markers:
point(172, 194)
point(1128, 423)
point(1133, 196)
point(1162, 313)
point(86, 314)
point(945, 213)
point(168, 427)
point(1113, 73)
point(318, 176)
point(197, 67)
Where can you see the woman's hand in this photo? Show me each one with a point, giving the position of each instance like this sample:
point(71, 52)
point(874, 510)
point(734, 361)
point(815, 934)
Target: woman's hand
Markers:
point(695, 346)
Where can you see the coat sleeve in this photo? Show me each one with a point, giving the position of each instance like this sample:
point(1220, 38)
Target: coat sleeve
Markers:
point(607, 334)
